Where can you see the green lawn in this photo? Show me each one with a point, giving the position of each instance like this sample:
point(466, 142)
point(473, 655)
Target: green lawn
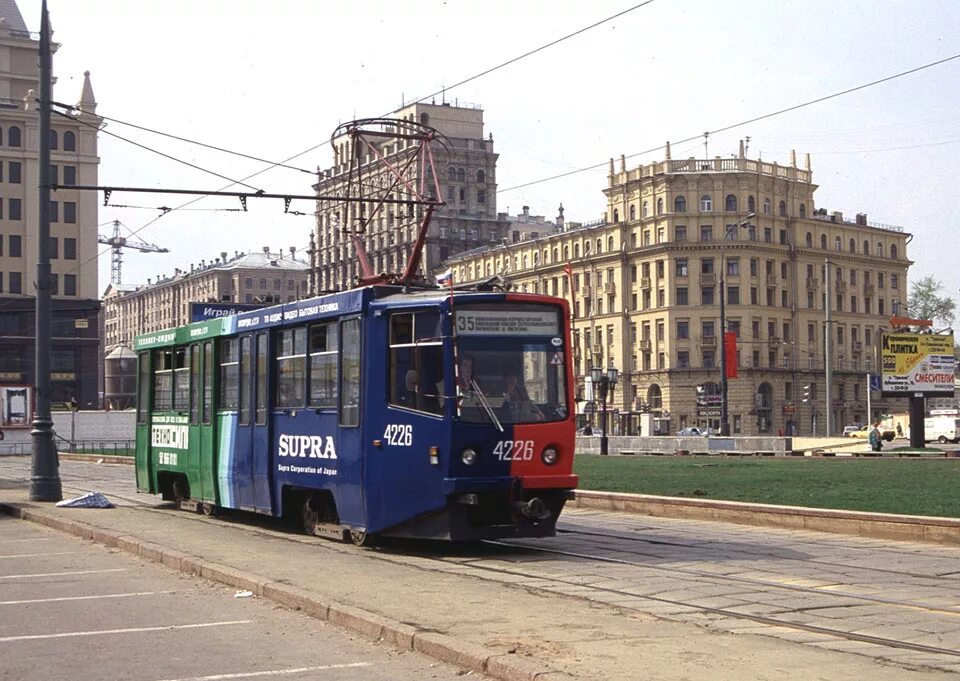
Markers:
point(912, 486)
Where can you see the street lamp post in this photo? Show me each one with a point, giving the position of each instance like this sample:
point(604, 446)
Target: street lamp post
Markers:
point(724, 417)
point(604, 383)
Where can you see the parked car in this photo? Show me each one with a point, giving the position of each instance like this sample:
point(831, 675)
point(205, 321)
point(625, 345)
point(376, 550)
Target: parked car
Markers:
point(848, 431)
point(693, 431)
point(886, 433)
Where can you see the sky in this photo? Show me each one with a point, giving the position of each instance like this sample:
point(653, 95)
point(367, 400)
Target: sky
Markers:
point(273, 79)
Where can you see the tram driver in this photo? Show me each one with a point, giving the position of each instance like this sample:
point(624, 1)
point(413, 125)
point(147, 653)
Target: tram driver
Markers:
point(517, 405)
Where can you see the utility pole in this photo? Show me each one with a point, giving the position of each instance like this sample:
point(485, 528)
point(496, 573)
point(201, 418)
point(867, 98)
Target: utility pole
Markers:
point(45, 473)
point(828, 349)
point(724, 385)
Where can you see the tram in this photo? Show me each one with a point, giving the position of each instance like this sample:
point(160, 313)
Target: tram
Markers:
point(378, 411)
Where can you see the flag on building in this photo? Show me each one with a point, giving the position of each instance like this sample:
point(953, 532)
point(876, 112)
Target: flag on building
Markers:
point(445, 278)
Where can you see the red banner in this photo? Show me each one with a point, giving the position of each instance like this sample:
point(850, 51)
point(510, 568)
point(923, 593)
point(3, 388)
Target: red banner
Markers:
point(730, 348)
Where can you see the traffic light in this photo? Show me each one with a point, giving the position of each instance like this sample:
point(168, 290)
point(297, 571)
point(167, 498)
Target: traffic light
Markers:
point(806, 393)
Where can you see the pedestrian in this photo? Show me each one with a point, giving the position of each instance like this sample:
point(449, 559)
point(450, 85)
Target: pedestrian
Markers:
point(875, 440)
point(899, 430)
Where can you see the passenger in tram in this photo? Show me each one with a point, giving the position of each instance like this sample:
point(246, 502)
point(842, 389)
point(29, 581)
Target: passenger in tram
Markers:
point(517, 405)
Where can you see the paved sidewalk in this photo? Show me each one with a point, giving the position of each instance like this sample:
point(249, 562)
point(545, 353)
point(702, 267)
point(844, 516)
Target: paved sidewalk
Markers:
point(508, 632)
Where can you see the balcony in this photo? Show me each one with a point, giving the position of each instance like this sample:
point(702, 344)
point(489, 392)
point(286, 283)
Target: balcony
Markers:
point(773, 340)
point(708, 278)
point(771, 280)
point(597, 349)
point(610, 288)
point(868, 290)
point(813, 283)
point(587, 291)
point(644, 345)
point(840, 286)
point(857, 346)
point(708, 341)
point(644, 282)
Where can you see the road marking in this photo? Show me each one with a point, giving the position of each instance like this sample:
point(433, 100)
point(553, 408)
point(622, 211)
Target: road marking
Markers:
point(62, 574)
point(10, 541)
point(138, 630)
point(37, 555)
point(274, 672)
point(84, 598)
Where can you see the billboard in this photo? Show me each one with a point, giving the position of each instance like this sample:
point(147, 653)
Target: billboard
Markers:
point(200, 312)
point(917, 364)
point(16, 406)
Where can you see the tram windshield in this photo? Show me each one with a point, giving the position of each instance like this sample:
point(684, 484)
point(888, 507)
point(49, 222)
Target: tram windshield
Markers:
point(511, 365)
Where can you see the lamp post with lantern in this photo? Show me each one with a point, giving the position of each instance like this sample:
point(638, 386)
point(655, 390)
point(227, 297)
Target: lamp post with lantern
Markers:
point(604, 383)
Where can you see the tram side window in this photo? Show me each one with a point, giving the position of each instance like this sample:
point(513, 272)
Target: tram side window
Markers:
point(350, 373)
point(323, 365)
point(416, 362)
point(230, 374)
point(195, 383)
point(291, 367)
point(163, 380)
point(207, 380)
point(245, 364)
point(181, 380)
point(143, 388)
point(262, 364)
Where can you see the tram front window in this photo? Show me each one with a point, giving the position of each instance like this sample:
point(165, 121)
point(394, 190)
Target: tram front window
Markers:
point(519, 382)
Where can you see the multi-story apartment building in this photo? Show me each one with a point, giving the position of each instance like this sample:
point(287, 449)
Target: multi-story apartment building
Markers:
point(644, 285)
point(466, 169)
point(73, 229)
point(246, 278)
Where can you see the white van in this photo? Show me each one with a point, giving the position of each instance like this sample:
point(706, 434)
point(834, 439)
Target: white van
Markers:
point(942, 429)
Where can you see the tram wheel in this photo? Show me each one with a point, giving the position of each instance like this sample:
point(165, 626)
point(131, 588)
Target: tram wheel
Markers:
point(208, 509)
point(362, 537)
point(309, 515)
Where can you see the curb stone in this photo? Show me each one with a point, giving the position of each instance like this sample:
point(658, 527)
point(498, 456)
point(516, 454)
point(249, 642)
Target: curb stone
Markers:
point(442, 647)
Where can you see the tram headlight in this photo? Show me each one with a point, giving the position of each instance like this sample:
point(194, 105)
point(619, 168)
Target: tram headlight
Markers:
point(468, 456)
point(550, 455)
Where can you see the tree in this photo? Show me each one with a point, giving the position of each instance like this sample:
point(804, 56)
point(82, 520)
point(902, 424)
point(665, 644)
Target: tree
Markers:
point(926, 303)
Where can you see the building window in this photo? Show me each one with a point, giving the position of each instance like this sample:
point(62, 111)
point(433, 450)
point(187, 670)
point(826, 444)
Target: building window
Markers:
point(706, 233)
point(69, 212)
point(481, 176)
point(766, 206)
point(733, 267)
point(481, 196)
point(15, 209)
point(683, 329)
point(706, 295)
point(680, 205)
point(682, 268)
point(54, 248)
point(660, 206)
point(731, 203)
point(893, 251)
point(16, 282)
point(783, 209)
point(751, 204)
point(644, 210)
point(14, 172)
point(16, 246)
point(733, 295)
point(13, 136)
point(54, 211)
point(706, 203)
point(69, 141)
point(69, 176)
point(682, 295)
point(69, 284)
point(680, 233)
point(803, 210)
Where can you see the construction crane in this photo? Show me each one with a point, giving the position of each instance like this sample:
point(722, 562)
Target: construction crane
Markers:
point(117, 242)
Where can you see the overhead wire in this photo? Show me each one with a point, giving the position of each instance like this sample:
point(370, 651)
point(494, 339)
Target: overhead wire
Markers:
point(739, 124)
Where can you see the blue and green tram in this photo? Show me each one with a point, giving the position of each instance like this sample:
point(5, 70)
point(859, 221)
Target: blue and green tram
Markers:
point(372, 412)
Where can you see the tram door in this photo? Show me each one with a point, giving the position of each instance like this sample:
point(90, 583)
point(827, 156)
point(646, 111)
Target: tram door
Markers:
point(208, 459)
point(252, 451)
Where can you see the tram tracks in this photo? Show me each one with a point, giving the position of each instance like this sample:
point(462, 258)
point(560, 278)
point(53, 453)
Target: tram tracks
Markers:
point(559, 585)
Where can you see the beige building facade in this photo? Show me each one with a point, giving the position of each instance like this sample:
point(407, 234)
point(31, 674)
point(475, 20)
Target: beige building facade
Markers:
point(644, 284)
point(245, 278)
point(73, 228)
point(465, 165)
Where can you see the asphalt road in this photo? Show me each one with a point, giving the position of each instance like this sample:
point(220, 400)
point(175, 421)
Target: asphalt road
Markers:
point(75, 611)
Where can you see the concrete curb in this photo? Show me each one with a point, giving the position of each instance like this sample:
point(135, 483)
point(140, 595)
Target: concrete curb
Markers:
point(463, 654)
point(95, 458)
point(874, 525)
